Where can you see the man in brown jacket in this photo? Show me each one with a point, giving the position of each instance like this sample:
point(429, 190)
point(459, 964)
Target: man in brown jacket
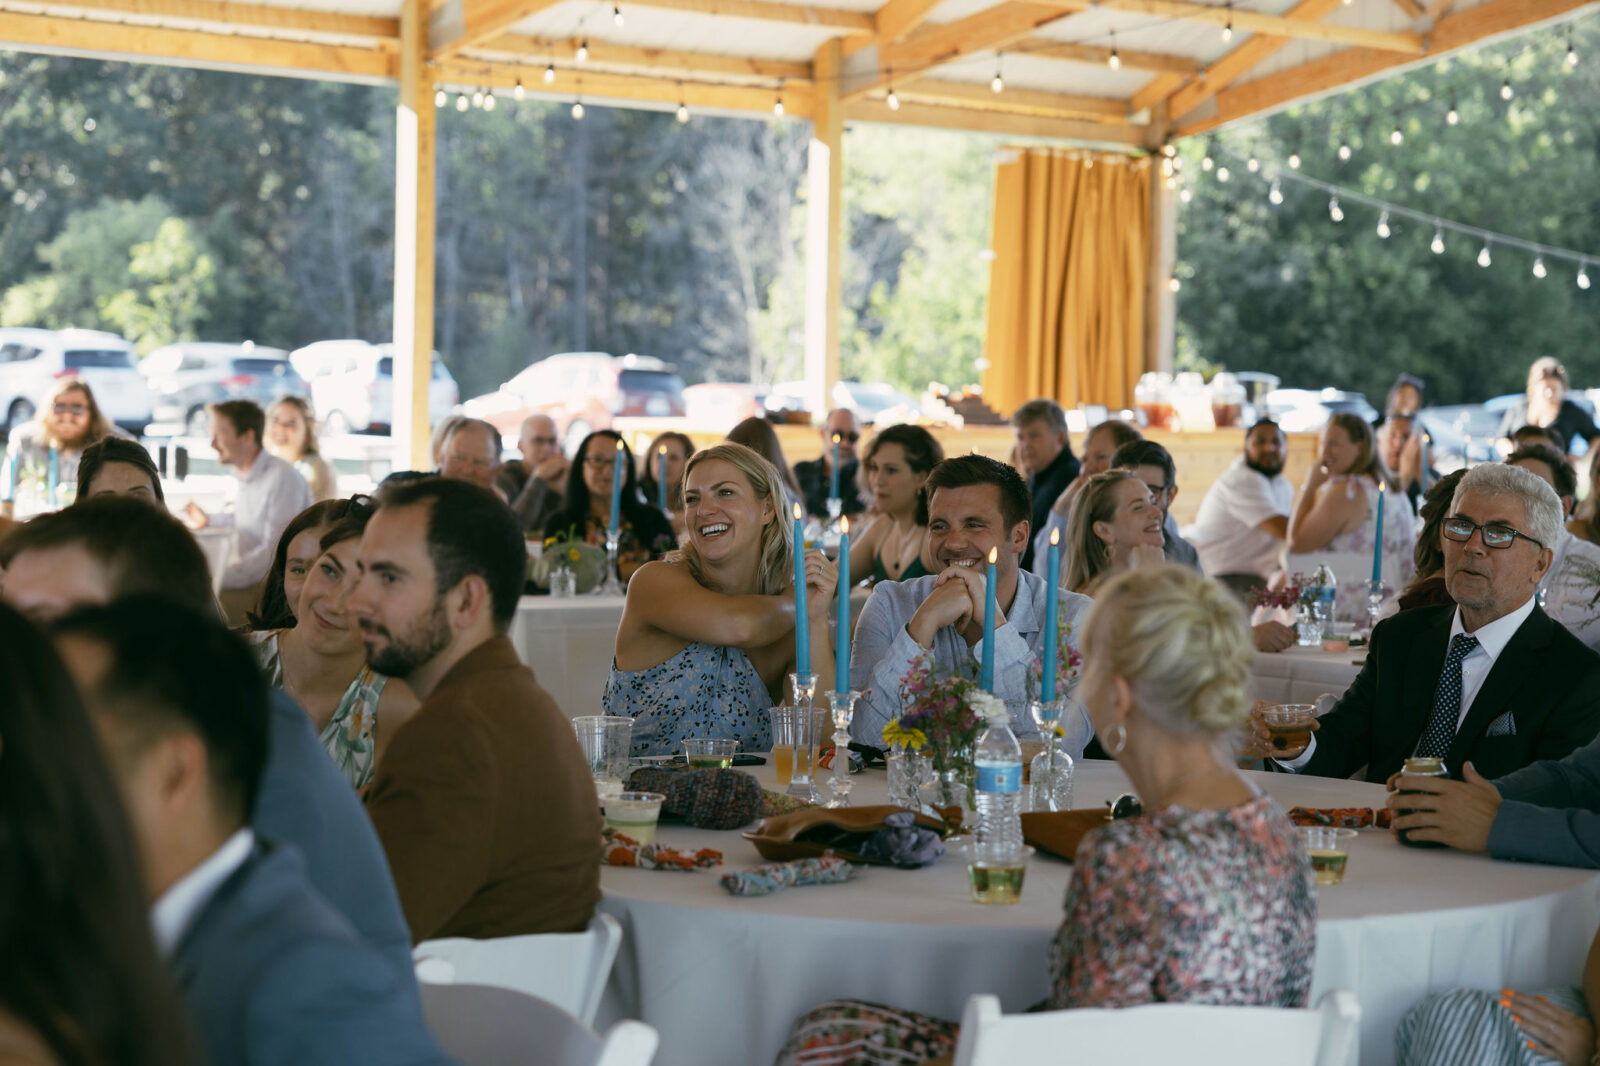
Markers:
point(483, 801)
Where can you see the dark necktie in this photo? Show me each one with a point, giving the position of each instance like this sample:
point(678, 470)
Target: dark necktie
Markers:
point(1441, 727)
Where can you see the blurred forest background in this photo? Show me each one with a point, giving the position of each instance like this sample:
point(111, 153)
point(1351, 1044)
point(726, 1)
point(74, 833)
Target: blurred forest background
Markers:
point(168, 204)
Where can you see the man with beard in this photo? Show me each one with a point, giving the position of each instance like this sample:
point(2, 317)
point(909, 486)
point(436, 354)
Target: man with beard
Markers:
point(1244, 518)
point(483, 800)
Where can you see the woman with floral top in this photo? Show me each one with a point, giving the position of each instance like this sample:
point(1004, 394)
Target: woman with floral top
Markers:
point(646, 533)
point(1206, 898)
point(316, 659)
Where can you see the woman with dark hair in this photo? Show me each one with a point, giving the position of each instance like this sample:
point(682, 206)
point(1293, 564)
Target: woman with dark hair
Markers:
point(292, 437)
point(316, 658)
point(80, 981)
point(1427, 588)
point(676, 447)
point(895, 468)
point(298, 548)
point(758, 435)
point(119, 467)
point(646, 533)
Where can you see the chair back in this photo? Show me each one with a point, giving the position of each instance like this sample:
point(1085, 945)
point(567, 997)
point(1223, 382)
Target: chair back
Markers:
point(1161, 1034)
point(480, 1025)
point(567, 969)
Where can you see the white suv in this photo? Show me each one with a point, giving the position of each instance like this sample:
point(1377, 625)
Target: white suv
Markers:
point(352, 385)
point(31, 361)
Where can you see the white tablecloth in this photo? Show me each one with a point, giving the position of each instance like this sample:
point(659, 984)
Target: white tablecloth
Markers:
point(722, 978)
point(568, 643)
point(1300, 675)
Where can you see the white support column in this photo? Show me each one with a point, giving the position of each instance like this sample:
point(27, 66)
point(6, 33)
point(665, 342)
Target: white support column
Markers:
point(824, 231)
point(1161, 317)
point(413, 242)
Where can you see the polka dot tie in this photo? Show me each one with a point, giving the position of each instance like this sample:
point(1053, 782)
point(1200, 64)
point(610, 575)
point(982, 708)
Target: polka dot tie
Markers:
point(1441, 728)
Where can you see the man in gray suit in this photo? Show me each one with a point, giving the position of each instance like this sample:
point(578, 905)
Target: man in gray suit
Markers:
point(270, 972)
point(107, 547)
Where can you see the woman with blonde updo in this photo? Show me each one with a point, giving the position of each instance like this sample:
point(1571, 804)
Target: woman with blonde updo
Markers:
point(1114, 527)
point(1206, 898)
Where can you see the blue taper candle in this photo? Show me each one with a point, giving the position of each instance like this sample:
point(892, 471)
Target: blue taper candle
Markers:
point(661, 477)
point(1377, 534)
point(841, 662)
point(1052, 608)
point(986, 677)
point(802, 632)
point(833, 478)
point(616, 489)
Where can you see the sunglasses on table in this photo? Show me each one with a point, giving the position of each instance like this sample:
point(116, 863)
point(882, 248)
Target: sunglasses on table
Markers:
point(1495, 534)
point(70, 408)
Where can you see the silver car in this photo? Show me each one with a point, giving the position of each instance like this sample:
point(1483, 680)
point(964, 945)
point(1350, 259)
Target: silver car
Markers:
point(188, 377)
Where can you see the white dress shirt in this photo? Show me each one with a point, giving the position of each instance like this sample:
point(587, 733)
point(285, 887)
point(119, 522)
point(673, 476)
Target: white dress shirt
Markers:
point(271, 493)
point(1227, 529)
point(178, 906)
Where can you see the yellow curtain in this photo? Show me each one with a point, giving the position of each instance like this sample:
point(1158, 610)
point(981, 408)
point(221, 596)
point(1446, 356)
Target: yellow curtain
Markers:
point(1068, 285)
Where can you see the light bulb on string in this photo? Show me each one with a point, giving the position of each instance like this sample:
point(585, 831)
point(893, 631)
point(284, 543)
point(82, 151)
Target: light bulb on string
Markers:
point(1396, 135)
point(1252, 164)
point(1438, 242)
point(616, 14)
point(777, 106)
point(461, 102)
point(1538, 267)
point(1169, 149)
point(1572, 53)
point(1484, 259)
point(1383, 225)
point(1167, 169)
point(441, 98)
point(1294, 160)
point(1114, 60)
point(582, 55)
point(518, 93)
point(550, 74)
point(1344, 151)
point(1452, 116)
point(683, 113)
point(997, 84)
point(1206, 162)
point(1506, 92)
point(489, 100)
point(892, 100)
point(1173, 284)
point(1276, 195)
point(477, 98)
point(1583, 277)
point(1227, 27)
point(577, 109)
point(1172, 181)
point(1335, 212)
point(1185, 195)
point(1222, 174)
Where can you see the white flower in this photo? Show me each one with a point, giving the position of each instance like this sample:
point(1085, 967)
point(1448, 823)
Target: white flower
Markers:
point(987, 705)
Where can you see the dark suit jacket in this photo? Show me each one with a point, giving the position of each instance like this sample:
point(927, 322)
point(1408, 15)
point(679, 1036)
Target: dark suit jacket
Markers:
point(1044, 487)
point(271, 974)
point(1546, 678)
point(485, 806)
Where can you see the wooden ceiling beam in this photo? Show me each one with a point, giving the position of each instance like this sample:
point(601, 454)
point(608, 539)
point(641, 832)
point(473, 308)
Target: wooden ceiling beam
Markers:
point(1160, 87)
point(1356, 64)
point(931, 46)
point(1017, 125)
point(1131, 58)
point(218, 51)
point(1246, 21)
point(597, 86)
point(1234, 65)
point(262, 16)
point(1019, 101)
point(603, 54)
point(460, 24)
point(895, 19)
point(851, 22)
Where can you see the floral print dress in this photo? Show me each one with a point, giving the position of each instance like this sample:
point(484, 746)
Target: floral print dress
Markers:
point(351, 735)
point(1207, 906)
point(703, 691)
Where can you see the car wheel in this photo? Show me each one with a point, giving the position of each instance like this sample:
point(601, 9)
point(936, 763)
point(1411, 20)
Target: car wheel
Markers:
point(197, 423)
point(20, 412)
point(577, 429)
point(337, 424)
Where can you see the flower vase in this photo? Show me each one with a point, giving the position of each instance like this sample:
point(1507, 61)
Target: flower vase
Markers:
point(1307, 627)
point(953, 779)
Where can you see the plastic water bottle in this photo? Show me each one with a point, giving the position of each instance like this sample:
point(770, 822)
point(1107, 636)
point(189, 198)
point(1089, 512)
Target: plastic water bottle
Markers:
point(997, 855)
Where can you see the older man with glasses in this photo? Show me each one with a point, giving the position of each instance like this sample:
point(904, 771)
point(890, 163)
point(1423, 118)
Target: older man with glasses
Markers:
point(1489, 684)
point(534, 485)
point(815, 476)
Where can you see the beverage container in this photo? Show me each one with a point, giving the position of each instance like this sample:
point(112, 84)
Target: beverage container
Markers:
point(1289, 727)
point(784, 724)
point(909, 771)
point(605, 741)
point(1153, 397)
point(997, 852)
point(634, 814)
point(1227, 400)
point(1419, 767)
point(1329, 851)
point(706, 753)
point(1337, 637)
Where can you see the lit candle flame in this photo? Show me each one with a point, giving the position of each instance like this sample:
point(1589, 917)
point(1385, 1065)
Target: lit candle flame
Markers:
point(1055, 537)
point(619, 444)
point(994, 556)
point(836, 438)
point(844, 525)
point(798, 513)
point(662, 450)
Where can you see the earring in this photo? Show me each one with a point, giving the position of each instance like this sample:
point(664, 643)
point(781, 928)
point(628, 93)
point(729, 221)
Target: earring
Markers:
point(1116, 743)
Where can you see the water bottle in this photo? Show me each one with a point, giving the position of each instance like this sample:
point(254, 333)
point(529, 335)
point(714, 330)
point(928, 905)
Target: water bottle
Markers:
point(1325, 609)
point(997, 836)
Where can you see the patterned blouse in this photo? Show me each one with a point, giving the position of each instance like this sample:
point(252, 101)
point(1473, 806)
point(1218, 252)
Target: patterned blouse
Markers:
point(1209, 906)
point(351, 735)
point(703, 691)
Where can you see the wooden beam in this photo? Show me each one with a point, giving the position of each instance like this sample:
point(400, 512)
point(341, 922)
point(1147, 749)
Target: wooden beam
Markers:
point(1438, 9)
point(963, 118)
point(603, 55)
point(263, 16)
point(1228, 69)
point(414, 214)
point(461, 24)
point(1133, 59)
point(596, 85)
point(771, 11)
point(1246, 21)
point(1356, 64)
point(117, 41)
point(1161, 86)
point(987, 30)
point(899, 17)
point(1019, 101)
point(824, 248)
point(1412, 9)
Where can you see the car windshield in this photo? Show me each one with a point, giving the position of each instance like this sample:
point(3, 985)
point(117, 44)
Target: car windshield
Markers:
point(98, 358)
point(649, 381)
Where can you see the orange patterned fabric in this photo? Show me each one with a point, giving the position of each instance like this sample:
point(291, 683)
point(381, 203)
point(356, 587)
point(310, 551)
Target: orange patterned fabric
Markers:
point(622, 850)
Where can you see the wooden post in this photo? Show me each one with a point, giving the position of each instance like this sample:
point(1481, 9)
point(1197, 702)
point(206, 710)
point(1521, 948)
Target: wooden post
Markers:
point(1160, 316)
point(415, 128)
point(824, 236)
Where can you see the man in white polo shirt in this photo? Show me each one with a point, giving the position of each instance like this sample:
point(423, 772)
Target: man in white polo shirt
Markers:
point(1244, 518)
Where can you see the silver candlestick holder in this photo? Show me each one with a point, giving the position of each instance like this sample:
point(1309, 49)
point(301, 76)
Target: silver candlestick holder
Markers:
point(1375, 594)
point(1050, 773)
point(802, 783)
point(843, 707)
point(612, 585)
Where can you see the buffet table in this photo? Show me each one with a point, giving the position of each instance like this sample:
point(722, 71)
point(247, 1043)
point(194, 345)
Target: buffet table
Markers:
point(722, 978)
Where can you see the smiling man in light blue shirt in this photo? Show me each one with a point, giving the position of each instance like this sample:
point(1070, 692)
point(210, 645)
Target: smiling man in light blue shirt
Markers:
point(974, 504)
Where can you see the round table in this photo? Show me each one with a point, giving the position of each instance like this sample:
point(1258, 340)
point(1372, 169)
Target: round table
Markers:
point(568, 643)
point(722, 978)
point(1300, 675)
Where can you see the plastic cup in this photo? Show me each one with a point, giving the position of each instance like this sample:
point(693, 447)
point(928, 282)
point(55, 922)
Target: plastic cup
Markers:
point(1329, 849)
point(1289, 726)
point(785, 724)
point(1337, 636)
point(705, 753)
point(997, 882)
point(634, 814)
point(605, 740)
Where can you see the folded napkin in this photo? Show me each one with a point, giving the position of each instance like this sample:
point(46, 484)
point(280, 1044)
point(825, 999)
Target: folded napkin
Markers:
point(903, 843)
point(705, 799)
point(773, 803)
point(620, 850)
point(776, 876)
point(1060, 832)
point(1341, 817)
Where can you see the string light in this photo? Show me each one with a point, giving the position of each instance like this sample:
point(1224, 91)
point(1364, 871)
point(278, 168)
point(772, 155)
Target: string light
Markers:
point(1173, 284)
point(577, 109)
point(461, 101)
point(998, 85)
point(1452, 116)
point(1344, 151)
point(1222, 174)
point(583, 51)
point(616, 14)
point(892, 100)
point(1396, 136)
point(1572, 53)
point(1335, 212)
point(1206, 162)
point(1538, 267)
point(1276, 195)
point(1383, 226)
point(440, 98)
point(1438, 242)
point(1583, 277)
point(1506, 92)
point(1114, 60)
point(1185, 195)
point(1294, 160)
point(1170, 150)
point(1252, 164)
point(518, 93)
point(777, 105)
point(683, 106)
point(1483, 255)
point(549, 74)
point(477, 98)
point(1227, 29)
point(488, 100)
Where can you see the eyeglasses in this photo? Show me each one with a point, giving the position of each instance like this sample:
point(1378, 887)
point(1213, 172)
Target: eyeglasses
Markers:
point(70, 408)
point(848, 438)
point(1496, 535)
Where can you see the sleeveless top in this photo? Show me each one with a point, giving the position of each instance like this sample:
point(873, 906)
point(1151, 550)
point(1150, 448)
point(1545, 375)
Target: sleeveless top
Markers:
point(1399, 540)
point(350, 737)
point(880, 573)
point(703, 691)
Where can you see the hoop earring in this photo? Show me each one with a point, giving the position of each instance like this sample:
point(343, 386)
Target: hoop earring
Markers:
point(1119, 742)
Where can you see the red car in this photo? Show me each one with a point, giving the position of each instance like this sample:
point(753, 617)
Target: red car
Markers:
point(582, 392)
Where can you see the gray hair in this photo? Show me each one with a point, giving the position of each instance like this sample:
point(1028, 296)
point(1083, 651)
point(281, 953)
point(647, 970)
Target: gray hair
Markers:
point(1539, 500)
point(1043, 410)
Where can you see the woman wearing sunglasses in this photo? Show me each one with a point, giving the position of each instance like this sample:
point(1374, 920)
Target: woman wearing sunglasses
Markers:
point(67, 423)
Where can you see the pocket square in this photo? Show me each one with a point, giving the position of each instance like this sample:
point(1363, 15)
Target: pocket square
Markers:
point(1504, 726)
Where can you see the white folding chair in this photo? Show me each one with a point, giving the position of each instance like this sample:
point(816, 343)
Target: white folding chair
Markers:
point(1161, 1034)
point(567, 969)
point(480, 1025)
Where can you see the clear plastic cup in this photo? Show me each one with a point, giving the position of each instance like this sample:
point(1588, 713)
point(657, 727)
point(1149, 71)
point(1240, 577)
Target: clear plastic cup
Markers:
point(1289, 726)
point(1336, 637)
point(1329, 849)
point(705, 753)
point(634, 814)
point(605, 740)
point(785, 724)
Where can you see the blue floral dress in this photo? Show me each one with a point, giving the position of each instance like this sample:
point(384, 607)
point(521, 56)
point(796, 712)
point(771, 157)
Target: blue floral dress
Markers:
point(351, 735)
point(703, 691)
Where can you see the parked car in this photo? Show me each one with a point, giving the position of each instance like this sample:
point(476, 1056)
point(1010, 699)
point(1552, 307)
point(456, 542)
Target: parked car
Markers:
point(187, 378)
point(582, 392)
point(1307, 410)
point(1450, 427)
point(352, 385)
point(721, 405)
point(32, 359)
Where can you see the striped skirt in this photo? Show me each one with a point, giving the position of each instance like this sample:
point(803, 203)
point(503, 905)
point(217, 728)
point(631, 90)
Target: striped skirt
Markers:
point(1467, 1027)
